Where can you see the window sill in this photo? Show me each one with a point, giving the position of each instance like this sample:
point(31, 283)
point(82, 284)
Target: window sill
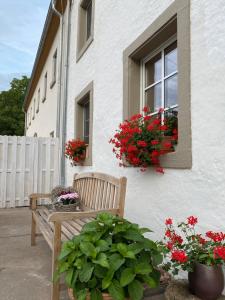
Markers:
point(86, 45)
point(52, 84)
point(43, 99)
point(88, 159)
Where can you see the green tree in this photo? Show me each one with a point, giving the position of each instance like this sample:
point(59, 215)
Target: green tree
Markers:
point(12, 117)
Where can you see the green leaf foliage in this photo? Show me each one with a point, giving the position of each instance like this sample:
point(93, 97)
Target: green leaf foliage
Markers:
point(135, 290)
point(116, 291)
point(12, 117)
point(110, 255)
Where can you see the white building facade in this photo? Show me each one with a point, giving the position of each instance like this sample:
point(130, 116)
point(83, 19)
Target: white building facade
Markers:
point(104, 85)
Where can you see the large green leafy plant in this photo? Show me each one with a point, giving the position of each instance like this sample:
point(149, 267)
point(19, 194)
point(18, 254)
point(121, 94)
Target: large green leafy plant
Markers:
point(111, 255)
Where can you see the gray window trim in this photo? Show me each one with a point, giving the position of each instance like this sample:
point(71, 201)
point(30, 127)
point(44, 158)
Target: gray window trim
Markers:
point(87, 92)
point(175, 19)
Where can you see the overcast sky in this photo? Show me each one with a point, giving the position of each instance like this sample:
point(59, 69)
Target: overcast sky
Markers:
point(21, 25)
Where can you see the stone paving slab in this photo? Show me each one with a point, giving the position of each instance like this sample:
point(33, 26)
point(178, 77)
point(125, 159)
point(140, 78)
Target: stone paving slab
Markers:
point(25, 271)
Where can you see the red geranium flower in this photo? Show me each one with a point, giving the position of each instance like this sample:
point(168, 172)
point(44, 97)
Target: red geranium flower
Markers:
point(219, 252)
point(169, 221)
point(192, 220)
point(180, 256)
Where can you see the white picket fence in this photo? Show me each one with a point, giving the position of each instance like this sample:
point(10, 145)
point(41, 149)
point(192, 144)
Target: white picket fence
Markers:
point(27, 165)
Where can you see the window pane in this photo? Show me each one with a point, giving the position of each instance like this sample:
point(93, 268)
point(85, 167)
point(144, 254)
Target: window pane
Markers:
point(89, 17)
point(171, 91)
point(171, 59)
point(153, 70)
point(86, 108)
point(153, 97)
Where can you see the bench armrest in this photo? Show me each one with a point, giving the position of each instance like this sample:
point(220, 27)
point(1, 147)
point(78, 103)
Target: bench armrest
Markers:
point(35, 197)
point(69, 216)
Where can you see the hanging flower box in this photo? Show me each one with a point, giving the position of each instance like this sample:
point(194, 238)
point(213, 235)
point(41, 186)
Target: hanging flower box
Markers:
point(142, 139)
point(75, 151)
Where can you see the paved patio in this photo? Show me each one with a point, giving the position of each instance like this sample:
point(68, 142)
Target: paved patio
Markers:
point(25, 271)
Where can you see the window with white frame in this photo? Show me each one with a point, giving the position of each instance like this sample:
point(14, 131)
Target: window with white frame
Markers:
point(54, 69)
point(34, 109)
point(45, 87)
point(86, 120)
point(38, 100)
point(28, 118)
point(159, 78)
point(30, 115)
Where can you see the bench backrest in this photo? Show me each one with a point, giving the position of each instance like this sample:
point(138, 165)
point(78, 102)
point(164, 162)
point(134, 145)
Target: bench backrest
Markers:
point(101, 191)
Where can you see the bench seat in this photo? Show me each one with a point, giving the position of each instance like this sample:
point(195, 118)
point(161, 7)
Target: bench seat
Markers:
point(68, 228)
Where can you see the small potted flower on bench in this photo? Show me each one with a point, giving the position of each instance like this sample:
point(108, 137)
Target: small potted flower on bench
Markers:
point(110, 259)
point(202, 256)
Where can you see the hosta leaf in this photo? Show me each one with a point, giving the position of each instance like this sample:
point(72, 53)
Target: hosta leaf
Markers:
point(96, 295)
point(86, 272)
point(116, 291)
point(149, 245)
point(102, 260)
point(150, 281)
point(116, 261)
point(130, 254)
point(81, 295)
point(135, 289)
point(102, 245)
point(92, 283)
point(127, 277)
point(143, 268)
point(99, 271)
point(90, 227)
point(63, 266)
point(88, 249)
point(122, 248)
point(69, 277)
point(107, 280)
point(133, 235)
point(144, 230)
point(157, 258)
point(105, 218)
point(79, 263)
point(65, 252)
point(136, 247)
point(120, 228)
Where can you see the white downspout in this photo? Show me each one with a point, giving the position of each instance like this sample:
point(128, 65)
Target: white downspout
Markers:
point(59, 83)
point(62, 95)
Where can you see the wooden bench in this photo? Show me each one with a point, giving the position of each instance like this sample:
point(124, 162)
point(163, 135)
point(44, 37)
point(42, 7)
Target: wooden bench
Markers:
point(98, 192)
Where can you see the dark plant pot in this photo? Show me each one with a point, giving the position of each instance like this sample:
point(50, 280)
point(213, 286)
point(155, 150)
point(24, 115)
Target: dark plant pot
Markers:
point(206, 282)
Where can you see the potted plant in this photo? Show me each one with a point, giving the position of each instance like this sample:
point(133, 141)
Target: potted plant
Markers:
point(201, 255)
point(110, 259)
point(75, 151)
point(141, 140)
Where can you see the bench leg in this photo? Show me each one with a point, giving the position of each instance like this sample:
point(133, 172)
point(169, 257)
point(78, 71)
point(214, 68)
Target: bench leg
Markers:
point(33, 231)
point(55, 254)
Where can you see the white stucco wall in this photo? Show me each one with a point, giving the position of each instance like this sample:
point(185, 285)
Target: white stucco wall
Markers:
point(45, 120)
point(152, 197)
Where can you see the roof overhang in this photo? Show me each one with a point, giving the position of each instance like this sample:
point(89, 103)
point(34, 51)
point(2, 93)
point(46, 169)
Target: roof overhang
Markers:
point(51, 26)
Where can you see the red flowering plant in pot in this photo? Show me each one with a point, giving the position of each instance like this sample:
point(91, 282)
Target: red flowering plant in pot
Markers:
point(141, 140)
point(75, 151)
point(201, 255)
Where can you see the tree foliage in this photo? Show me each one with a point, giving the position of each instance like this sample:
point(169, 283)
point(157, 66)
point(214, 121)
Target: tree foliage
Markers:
point(12, 117)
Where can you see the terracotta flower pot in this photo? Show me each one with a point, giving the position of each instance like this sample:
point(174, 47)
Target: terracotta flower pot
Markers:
point(105, 296)
point(206, 282)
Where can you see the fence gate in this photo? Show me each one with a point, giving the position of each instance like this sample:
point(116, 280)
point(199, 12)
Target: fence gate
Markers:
point(27, 165)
